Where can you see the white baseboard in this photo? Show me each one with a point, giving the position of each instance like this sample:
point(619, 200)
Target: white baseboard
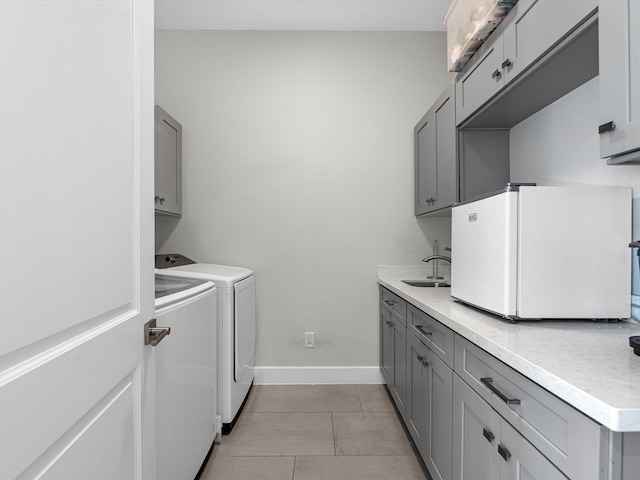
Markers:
point(316, 375)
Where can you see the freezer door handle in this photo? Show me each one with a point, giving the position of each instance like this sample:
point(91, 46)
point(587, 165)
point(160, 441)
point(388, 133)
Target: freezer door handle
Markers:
point(153, 335)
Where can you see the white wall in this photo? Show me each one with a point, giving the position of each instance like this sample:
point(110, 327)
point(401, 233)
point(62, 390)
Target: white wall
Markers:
point(559, 146)
point(298, 164)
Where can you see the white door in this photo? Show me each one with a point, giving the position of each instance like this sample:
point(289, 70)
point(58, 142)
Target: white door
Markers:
point(76, 220)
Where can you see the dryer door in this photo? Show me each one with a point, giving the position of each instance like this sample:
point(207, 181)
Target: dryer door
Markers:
point(245, 330)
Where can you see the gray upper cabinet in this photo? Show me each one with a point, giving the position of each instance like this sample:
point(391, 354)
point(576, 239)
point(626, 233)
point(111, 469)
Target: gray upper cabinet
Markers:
point(168, 164)
point(531, 29)
point(535, 26)
point(481, 78)
point(436, 157)
point(619, 23)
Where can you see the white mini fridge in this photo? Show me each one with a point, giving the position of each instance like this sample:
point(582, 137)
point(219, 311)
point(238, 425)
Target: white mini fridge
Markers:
point(538, 252)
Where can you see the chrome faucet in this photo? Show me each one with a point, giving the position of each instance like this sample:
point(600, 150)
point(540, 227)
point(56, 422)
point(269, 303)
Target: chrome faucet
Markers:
point(434, 258)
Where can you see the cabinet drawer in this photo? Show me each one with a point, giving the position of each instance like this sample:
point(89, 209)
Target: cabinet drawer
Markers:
point(438, 337)
point(572, 441)
point(394, 304)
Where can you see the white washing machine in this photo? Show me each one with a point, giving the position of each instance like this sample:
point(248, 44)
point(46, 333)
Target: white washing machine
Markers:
point(236, 314)
point(185, 375)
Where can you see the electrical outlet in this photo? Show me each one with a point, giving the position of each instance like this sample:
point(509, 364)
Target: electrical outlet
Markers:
point(309, 340)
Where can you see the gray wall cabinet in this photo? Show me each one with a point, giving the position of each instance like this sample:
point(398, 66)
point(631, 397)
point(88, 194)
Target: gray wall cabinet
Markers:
point(531, 29)
point(481, 78)
point(436, 157)
point(539, 53)
point(168, 164)
point(619, 24)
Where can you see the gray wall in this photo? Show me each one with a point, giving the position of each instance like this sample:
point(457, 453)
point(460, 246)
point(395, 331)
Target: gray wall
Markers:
point(298, 164)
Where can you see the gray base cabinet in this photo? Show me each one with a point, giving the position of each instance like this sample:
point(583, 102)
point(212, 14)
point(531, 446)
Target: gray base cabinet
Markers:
point(472, 417)
point(619, 24)
point(429, 410)
point(393, 347)
point(436, 157)
point(486, 447)
point(570, 440)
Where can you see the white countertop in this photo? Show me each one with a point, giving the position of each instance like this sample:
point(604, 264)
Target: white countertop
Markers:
point(587, 364)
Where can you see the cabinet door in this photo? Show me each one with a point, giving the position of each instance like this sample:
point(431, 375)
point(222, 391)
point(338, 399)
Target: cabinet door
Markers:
point(619, 39)
point(426, 188)
point(475, 429)
point(481, 78)
point(446, 183)
point(417, 392)
point(399, 390)
point(519, 460)
point(168, 171)
point(436, 157)
point(440, 417)
point(535, 26)
point(386, 346)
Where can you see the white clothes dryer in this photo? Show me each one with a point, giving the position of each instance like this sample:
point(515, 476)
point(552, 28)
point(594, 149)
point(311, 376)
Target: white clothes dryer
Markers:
point(236, 328)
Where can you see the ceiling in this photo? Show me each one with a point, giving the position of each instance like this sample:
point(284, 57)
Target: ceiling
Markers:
point(326, 15)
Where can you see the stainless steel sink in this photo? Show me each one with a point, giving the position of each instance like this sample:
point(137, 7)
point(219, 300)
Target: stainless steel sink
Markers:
point(425, 283)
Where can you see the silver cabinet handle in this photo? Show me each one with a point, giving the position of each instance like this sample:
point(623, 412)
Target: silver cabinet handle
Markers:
point(161, 200)
point(506, 63)
point(488, 382)
point(422, 360)
point(496, 74)
point(488, 435)
point(421, 329)
point(391, 303)
point(153, 335)
point(504, 453)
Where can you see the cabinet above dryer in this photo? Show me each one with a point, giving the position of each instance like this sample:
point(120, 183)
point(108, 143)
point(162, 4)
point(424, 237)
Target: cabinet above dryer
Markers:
point(168, 164)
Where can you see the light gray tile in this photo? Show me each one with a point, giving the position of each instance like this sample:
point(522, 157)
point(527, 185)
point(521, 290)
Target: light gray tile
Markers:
point(279, 434)
point(368, 434)
point(374, 398)
point(243, 468)
point(303, 398)
point(358, 468)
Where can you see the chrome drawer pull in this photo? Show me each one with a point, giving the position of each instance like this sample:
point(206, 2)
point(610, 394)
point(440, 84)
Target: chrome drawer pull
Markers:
point(488, 435)
point(488, 382)
point(504, 453)
point(422, 330)
point(391, 303)
point(422, 360)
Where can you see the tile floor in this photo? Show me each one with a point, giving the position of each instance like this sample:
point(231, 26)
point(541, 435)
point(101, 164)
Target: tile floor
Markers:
point(316, 432)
